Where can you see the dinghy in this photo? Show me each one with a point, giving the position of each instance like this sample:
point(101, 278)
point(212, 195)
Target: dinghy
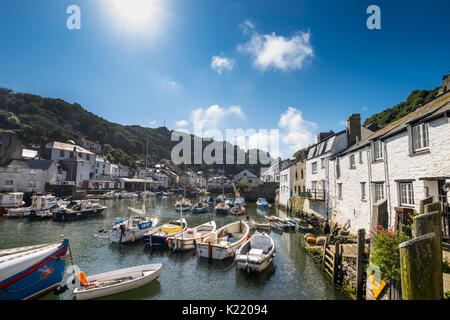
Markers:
point(264, 226)
point(158, 236)
point(262, 203)
point(222, 208)
point(277, 226)
point(200, 207)
point(109, 283)
point(183, 205)
point(304, 227)
point(238, 210)
point(256, 254)
point(132, 229)
point(188, 239)
point(224, 242)
point(239, 202)
point(33, 271)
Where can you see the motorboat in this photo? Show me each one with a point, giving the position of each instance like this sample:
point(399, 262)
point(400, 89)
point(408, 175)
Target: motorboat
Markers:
point(189, 238)
point(33, 271)
point(262, 203)
point(159, 235)
point(128, 195)
point(256, 253)
point(263, 225)
point(113, 282)
point(77, 209)
point(38, 203)
point(238, 210)
point(239, 201)
point(132, 229)
point(224, 242)
point(11, 200)
point(183, 205)
point(222, 208)
point(200, 207)
point(251, 223)
point(229, 202)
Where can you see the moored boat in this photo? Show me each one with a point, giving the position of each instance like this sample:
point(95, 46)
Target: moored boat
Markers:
point(304, 227)
point(39, 203)
point(183, 205)
point(230, 202)
point(113, 282)
point(158, 236)
point(76, 210)
point(263, 226)
point(189, 238)
point(200, 207)
point(238, 210)
point(276, 226)
point(239, 201)
point(224, 242)
point(262, 203)
point(222, 208)
point(11, 200)
point(256, 254)
point(132, 229)
point(33, 271)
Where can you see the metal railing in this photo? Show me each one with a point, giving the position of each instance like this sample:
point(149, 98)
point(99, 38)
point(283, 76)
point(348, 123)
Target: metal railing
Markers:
point(314, 194)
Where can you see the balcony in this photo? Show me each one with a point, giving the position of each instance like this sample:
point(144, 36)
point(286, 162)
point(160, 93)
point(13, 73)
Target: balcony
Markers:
point(313, 194)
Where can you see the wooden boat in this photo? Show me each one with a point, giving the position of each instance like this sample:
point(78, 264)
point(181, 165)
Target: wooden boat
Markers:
point(158, 236)
point(109, 283)
point(262, 203)
point(132, 229)
point(264, 226)
point(238, 210)
point(304, 227)
point(273, 218)
point(33, 271)
point(200, 207)
point(77, 210)
point(11, 200)
point(224, 242)
point(188, 239)
point(222, 208)
point(256, 253)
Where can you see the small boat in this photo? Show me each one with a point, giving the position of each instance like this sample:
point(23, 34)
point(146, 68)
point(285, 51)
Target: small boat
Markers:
point(251, 223)
point(222, 208)
point(239, 202)
point(109, 283)
point(76, 210)
point(229, 202)
point(256, 254)
point(38, 203)
point(200, 207)
point(158, 236)
point(224, 242)
point(12, 200)
point(209, 200)
point(128, 195)
point(221, 198)
point(38, 215)
point(132, 229)
point(276, 226)
point(188, 239)
point(264, 226)
point(273, 218)
point(288, 225)
point(262, 203)
point(33, 271)
point(294, 220)
point(304, 227)
point(183, 205)
point(238, 210)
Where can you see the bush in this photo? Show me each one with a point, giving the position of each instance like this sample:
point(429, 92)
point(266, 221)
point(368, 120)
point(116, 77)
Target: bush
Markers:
point(386, 252)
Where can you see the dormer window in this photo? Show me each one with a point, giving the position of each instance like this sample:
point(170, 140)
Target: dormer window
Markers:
point(420, 137)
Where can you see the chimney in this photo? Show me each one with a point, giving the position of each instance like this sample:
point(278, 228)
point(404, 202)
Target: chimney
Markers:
point(323, 135)
point(354, 128)
point(445, 84)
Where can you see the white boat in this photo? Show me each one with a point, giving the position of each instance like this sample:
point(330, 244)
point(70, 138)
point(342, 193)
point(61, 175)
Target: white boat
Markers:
point(189, 238)
point(109, 283)
point(128, 195)
point(224, 242)
point(184, 205)
point(256, 254)
point(132, 229)
point(12, 200)
point(38, 203)
point(238, 210)
point(264, 226)
point(222, 208)
point(158, 236)
point(251, 223)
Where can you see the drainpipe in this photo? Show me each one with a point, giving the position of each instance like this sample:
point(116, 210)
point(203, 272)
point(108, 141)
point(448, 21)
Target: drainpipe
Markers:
point(369, 181)
point(386, 178)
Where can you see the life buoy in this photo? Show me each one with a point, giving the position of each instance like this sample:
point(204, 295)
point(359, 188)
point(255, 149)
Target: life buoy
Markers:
point(311, 239)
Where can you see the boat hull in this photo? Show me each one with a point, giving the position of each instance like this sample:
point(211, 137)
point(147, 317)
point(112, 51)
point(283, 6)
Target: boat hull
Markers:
point(222, 211)
point(32, 281)
point(68, 216)
point(255, 267)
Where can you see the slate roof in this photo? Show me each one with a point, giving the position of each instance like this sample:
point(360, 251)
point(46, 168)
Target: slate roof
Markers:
point(67, 147)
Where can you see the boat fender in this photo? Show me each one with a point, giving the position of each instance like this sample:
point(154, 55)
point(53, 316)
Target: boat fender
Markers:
point(195, 244)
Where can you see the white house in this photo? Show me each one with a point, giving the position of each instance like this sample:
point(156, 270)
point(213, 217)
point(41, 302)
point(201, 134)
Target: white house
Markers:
point(399, 165)
point(286, 183)
point(78, 170)
point(58, 151)
point(29, 175)
point(271, 174)
point(102, 168)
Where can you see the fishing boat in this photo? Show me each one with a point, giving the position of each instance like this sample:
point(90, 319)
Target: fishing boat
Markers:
point(238, 210)
point(200, 207)
point(183, 205)
point(159, 235)
point(132, 229)
point(109, 283)
point(263, 226)
point(262, 203)
point(38, 203)
point(189, 238)
point(11, 200)
point(33, 271)
point(222, 208)
point(304, 227)
point(224, 242)
point(256, 253)
point(76, 210)
point(239, 202)
point(230, 202)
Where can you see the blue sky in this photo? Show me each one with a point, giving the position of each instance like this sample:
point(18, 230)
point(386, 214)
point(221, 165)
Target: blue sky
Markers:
point(301, 66)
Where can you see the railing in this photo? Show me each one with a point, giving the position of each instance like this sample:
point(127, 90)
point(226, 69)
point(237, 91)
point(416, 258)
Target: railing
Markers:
point(314, 194)
point(445, 217)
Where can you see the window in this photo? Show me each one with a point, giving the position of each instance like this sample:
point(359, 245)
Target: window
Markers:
point(406, 194)
point(379, 191)
point(427, 192)
point(420, 137)
point(71, 154)
point(296, 175)
point(32, 183)
point(314, 167)
point(360, 156)
point(314, 185)
point(352, 162)
point(338, 169)
point(33, 171)
point(61, 153)
point(363, 191)
point(88, 157)
point(339, 185)
point(378, 151)
point(322, 163)
point(8, 182)
point(301, 174)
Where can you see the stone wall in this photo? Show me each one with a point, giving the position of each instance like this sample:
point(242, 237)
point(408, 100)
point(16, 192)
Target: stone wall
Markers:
point(266, 190)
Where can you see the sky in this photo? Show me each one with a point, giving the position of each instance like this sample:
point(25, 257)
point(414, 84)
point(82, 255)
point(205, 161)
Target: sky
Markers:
point(300, 66)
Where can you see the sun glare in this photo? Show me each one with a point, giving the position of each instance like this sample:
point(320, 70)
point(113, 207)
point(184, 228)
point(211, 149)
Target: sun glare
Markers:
point(135, 12)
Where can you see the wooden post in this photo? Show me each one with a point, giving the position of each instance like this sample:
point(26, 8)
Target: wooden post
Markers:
point(336, 261)
point(420, 265)
point(324, 252)
point(360, 263)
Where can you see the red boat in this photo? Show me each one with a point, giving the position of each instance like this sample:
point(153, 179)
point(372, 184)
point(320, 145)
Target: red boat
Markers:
point(10, 200)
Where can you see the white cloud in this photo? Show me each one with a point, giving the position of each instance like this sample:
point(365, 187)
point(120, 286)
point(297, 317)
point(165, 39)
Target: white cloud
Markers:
point(172, 84)
point(247, 26)
point(219, 64)
point(152, 123)
point(343, 122)
point(270, 51)
point(365, 108)
point(215, 115)
point(182, 123)
point(296, 133)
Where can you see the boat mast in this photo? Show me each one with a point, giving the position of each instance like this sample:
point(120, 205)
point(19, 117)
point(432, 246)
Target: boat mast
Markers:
point(145, 179)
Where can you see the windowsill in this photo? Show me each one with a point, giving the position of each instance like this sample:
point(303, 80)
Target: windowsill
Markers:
point(377, 161)
point(339, 198)
point(363, 200)
point(352, 168)
point(416, 153)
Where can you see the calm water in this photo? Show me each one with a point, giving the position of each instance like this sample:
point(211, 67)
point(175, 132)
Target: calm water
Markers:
point(293, 274)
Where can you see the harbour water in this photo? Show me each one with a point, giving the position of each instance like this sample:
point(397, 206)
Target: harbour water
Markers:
point(293, 275)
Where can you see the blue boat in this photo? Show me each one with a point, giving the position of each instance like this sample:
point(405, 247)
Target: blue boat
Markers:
point(239, 202)
point(31, 272)
point(229, 202)
point(209, 199)
point(200, 207)
point(262, 203)
point(159, 235)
